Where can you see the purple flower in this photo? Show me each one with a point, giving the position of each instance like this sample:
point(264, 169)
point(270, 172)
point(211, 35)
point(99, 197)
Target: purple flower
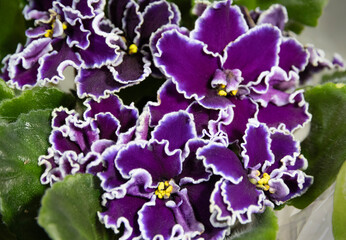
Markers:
point(269, 173)
point(77, 145)
point(235, 71)
point(65, 35)
point(130, 28)
point(163, 190)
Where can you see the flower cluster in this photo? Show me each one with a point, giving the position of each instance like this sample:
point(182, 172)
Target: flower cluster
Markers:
point(216, 147)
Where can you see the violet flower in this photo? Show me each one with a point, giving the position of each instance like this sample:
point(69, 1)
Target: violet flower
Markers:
point(130, 28)
point(65, 35)
point(270, 173)
point(162, 191)
point(77, 144)
point(235, 71)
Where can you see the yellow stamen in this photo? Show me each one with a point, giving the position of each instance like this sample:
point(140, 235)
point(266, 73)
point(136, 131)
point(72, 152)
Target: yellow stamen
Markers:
point(64, 26)
point(222, 93)
point(234, 92)
point(263, 182)
point(133, 49)
point(164, 190)
point(49, 33)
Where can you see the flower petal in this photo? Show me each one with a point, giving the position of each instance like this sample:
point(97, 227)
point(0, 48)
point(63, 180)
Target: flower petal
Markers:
point(219, 25)
point(123, 212)
point(184, 130)
point(243, 199)
point(253, 52)
point(292, 115)
point(256, 147)
point(244, 110)
point(152, 157)
point(292, 55)
point(186, 62)
point(222, 161)
point(155, 15)
point(169, 101)
point(193, 168)
point(96, 82)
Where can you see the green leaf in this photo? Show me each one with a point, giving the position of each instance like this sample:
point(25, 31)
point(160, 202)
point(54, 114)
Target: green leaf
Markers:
point(37, 98)
point(324, 148)
point(304, 12)
point(336, 77)
point(263, 226)
point(69, 209)
point(339, 211)
point(5, 91)
point(21, 143)
point(5, 233)
point(12, 27)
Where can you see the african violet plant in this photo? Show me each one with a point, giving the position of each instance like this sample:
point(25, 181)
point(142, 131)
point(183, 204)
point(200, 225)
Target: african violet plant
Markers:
point(181, 124)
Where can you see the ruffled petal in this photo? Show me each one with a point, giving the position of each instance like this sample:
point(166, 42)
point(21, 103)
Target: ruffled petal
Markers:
point(169, 100)
point(127, 115)
point(243, 199)
point(252, 58)
point(194, 170)
point(282, 145)
point(133, 69)
point(187, 63)
point(256, 147)
point(174, 218)
point(96, 82)
point(219, 25)
point(152, 157)
point(292, 115)
point(123, 211)
point(276, 15)
point(222, 161)
point(202, 117)
point(155, 15)
point(184, 130)
point(110, 177)
point(53, 64)
point(292, 55)
point(199, 195)
point(244, 110)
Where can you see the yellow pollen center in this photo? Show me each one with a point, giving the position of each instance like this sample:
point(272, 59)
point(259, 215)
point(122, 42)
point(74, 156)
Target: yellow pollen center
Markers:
point(164, 190)
point(49, 32)
point(222, 93)
point(234, 92)
point(263, 182)
point(133, 49)
point(64, 26)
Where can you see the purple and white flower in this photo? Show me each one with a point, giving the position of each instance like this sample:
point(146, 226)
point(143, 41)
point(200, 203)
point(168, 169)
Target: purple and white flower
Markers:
point(166, 189)
point(130, 28)
point(270, 173)
point(65, 34)
point(235, 71)
point(77, 144)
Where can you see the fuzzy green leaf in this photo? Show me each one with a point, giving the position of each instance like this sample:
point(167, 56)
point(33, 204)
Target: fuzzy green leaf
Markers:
point(304, 12)
point(336, 77)
point(5, 91)
point(21, 143)
point(339, 211)
point(69, 209)
point(263, 226)
point(37, 98)
point(324, 148)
